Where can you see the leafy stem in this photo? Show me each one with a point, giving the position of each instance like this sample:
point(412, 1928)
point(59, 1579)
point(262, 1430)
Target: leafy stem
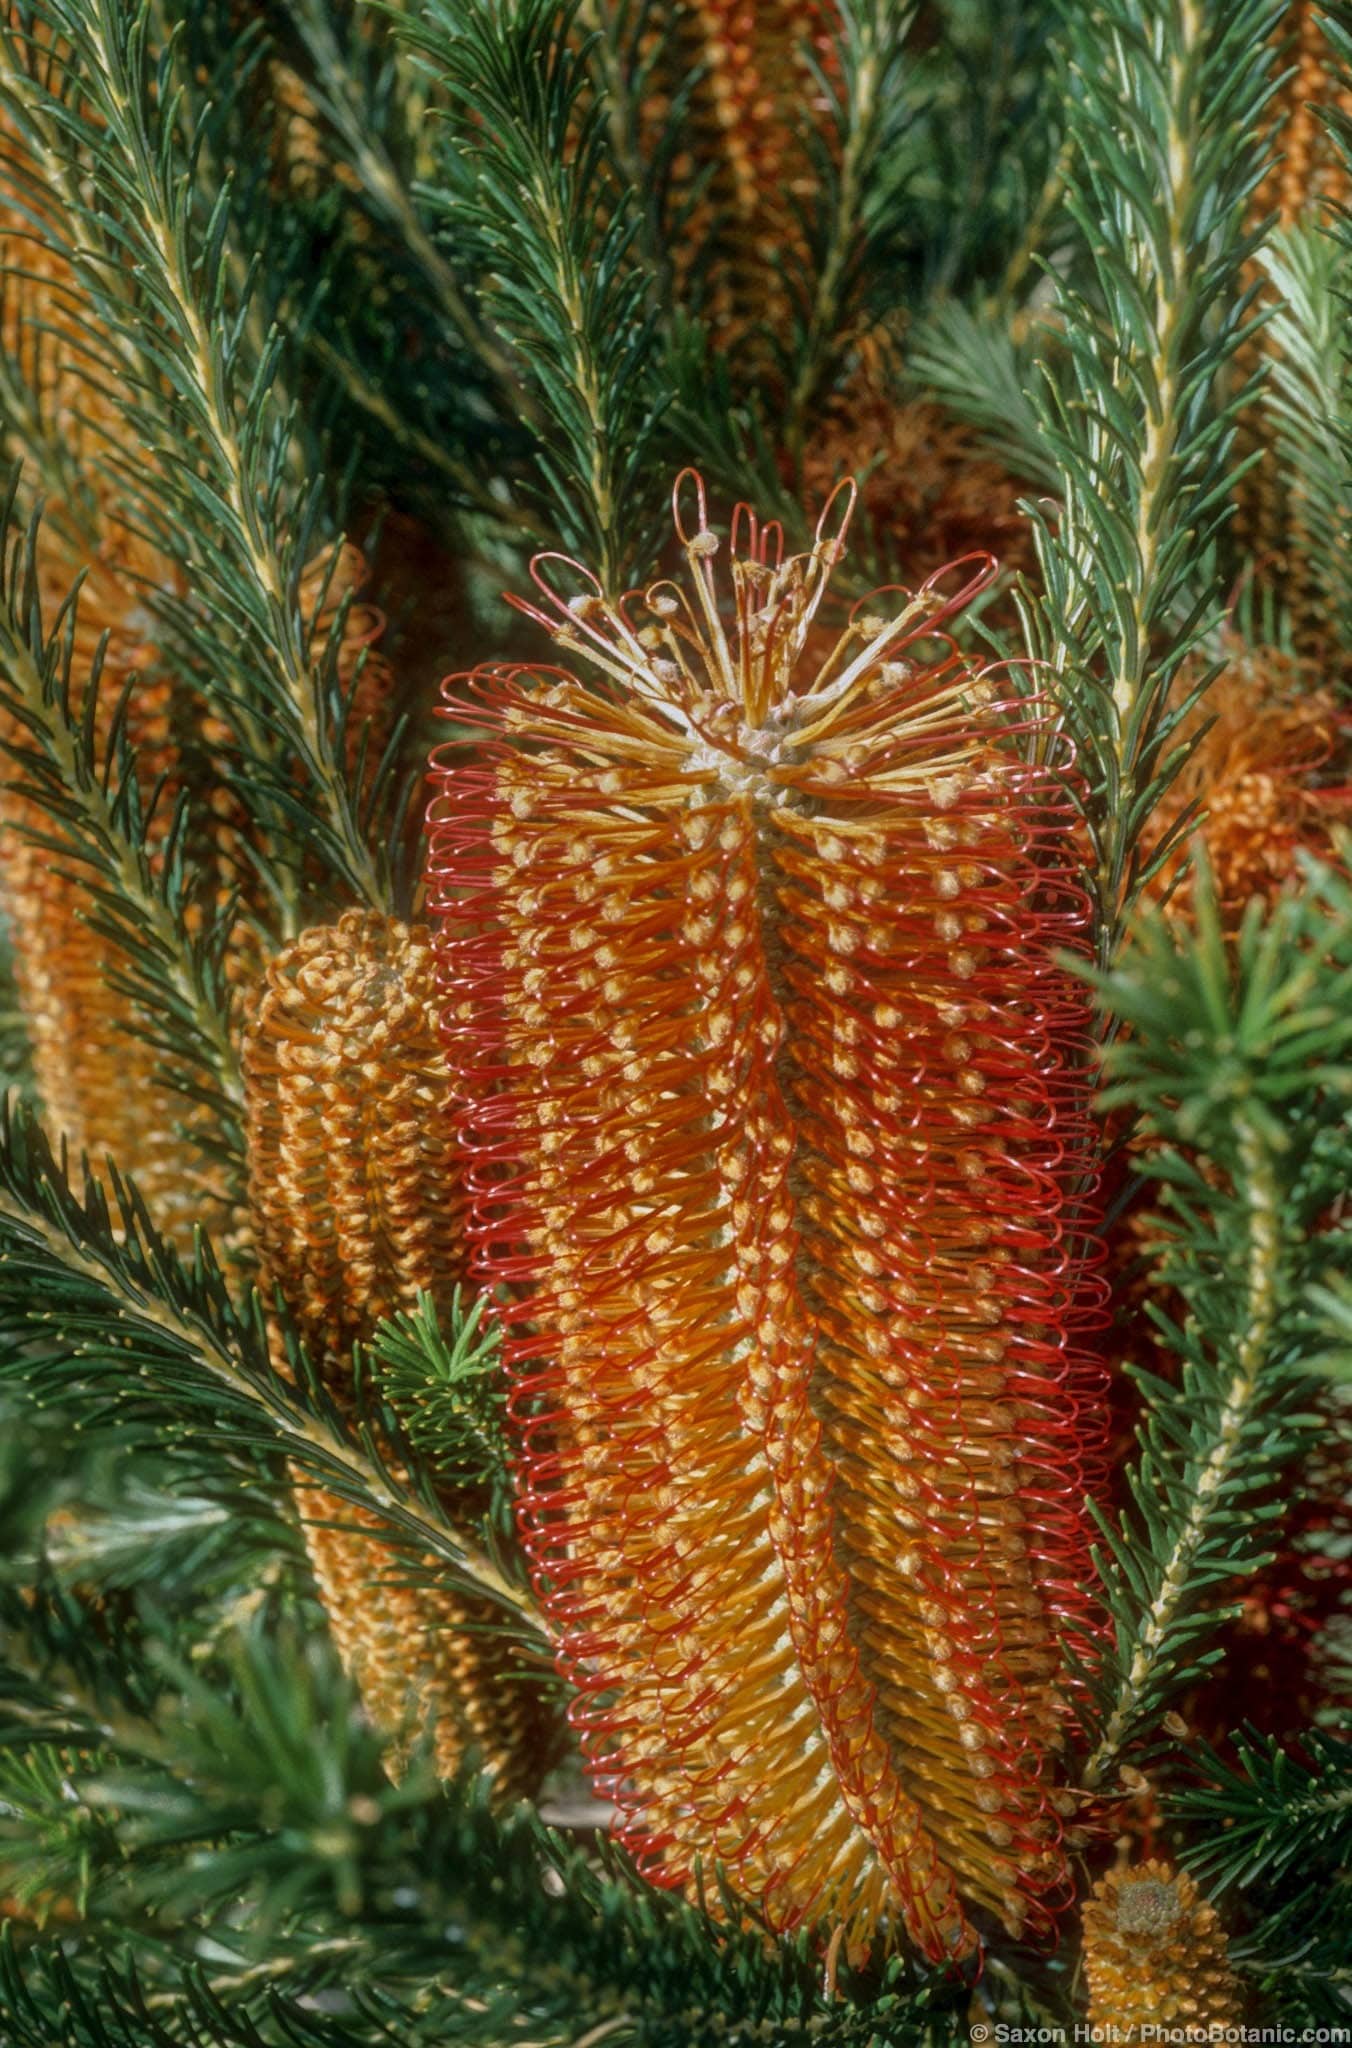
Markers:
point(141, 1296)
point(1222, 1443)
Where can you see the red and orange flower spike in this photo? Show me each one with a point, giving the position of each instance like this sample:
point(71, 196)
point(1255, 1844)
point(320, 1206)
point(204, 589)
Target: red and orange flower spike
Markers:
point(776, 1100)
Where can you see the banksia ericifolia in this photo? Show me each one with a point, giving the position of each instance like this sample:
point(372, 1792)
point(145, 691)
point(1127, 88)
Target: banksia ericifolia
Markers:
point(356, 1209)
point(755, 120)
point(774, 1097)
point(1155, 1954)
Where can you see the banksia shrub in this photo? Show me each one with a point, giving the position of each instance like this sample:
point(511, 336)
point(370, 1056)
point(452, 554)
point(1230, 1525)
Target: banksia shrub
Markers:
point(774, 1096)
point(356, 1210)
point(1155, 1954)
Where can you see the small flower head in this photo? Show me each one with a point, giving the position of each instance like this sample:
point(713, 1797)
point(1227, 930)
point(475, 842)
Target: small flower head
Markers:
point(1155, 1953)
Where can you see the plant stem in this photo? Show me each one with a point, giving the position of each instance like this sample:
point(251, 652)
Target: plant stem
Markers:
point(1231, 1423)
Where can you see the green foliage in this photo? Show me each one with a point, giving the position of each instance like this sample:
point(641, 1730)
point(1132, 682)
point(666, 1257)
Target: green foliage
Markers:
point(88, 814)
point(173, 348)
point(985, 143)
point(863, 167)
point(1272, 1815)
point(130, 1333)
point(529, 173)
point(233, 1860)
point(1309, 401)
point(1331, 1304)
point(1236, 1062)
point(427, 418)
point(15, 1064)
point(972, 363)
point(447, 1392)
point(1271, 1836)
point(1163, 103)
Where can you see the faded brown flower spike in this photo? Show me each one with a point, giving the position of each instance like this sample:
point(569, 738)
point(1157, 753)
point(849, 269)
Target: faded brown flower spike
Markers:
point(356, 1208)
point(774, 1097)
point(1267, 778)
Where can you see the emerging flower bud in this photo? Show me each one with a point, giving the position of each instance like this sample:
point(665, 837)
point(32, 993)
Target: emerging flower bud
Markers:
point(1155, 1954)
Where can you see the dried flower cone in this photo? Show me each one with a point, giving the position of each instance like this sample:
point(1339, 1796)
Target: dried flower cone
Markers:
point(771, 1088)
point(356, 1209)
point(1155, 1954)
point(1263, 774)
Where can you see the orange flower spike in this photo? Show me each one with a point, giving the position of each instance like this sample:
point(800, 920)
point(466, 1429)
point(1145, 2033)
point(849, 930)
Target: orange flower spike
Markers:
point(354, 1192)
point(352, 1179)
point(1267, 777)
point(1307, 168)
point(745, 166)
point(776, 1103)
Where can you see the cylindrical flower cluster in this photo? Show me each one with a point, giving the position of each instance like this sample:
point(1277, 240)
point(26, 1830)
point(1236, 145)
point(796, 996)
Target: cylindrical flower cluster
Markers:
point(742, 185)
point(96, 1068)
point(774, 1094)
point(354, 1195)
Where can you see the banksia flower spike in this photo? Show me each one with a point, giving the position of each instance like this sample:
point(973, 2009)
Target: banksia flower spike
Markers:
point(1307, 170)
point(95, 1067)
point(744, 74)
point(1306, 183)
point(775, 1103)
point(356, 1210)
point(352, 1184)
point(1156, 1955)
